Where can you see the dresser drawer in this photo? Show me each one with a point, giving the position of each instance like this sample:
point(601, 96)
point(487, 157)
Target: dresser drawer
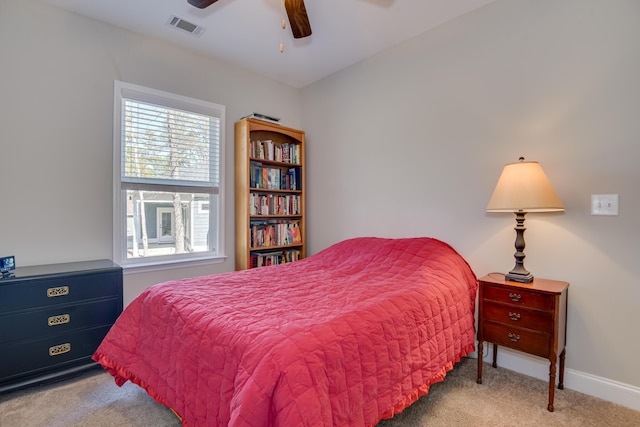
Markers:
point(58, 319)
point(518, 316)
point(519, 297)
point(49, 353)
point(526, 340)
point(41, 292)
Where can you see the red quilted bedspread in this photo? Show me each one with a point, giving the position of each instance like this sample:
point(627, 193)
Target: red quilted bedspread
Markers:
point(346, 337)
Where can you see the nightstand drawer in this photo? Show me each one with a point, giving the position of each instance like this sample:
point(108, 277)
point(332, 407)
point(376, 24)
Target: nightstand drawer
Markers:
point(531, 342)
point(60, 290)
point(518, 316)
point(49, 353)
point(59, 319)
point(519, 297)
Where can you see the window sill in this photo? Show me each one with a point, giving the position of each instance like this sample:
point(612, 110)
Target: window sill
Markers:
point(171, 264)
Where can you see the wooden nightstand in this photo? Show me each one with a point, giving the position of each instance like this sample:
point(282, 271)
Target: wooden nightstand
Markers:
point(529, 317)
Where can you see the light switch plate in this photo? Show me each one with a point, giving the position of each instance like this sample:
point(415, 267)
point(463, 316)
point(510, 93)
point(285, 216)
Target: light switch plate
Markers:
point(604, 204)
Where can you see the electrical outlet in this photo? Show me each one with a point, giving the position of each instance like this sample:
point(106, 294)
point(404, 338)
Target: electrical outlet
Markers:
point(604, 204)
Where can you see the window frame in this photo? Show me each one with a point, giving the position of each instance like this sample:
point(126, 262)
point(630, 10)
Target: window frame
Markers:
point(123, 91)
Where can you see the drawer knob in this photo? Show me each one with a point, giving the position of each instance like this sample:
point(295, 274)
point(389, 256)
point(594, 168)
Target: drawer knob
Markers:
point(59, 349)
point(514, 337)
point(515, 297)
point(514, 316)
point(57, 292)
point(59, 319)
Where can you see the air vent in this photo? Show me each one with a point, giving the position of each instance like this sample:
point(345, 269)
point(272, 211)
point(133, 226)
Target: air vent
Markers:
point(176, 21)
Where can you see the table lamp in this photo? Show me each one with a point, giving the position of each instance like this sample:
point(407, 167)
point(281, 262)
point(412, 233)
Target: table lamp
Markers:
point(523, 187)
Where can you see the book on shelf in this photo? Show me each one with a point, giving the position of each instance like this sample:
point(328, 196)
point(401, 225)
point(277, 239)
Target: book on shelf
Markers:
point(278, 152)
point(273, 178)
point(264, 259)
point(274, 204)
point(274, 232)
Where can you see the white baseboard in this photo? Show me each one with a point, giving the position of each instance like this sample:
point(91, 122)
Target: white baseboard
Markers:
point(603, 388)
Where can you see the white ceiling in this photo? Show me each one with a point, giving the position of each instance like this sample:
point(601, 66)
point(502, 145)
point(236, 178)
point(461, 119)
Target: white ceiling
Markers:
point(248, 32)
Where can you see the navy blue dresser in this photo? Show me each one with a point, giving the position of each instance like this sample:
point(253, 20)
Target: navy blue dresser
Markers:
point(53, 317)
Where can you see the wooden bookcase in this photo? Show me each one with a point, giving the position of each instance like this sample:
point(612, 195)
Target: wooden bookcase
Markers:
point(270, 194)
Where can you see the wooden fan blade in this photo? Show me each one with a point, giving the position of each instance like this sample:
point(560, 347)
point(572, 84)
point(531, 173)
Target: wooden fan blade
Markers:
point(298, 18)
point(201, 4)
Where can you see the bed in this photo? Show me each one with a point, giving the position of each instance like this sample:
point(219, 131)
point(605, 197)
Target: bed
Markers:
point(346, 337)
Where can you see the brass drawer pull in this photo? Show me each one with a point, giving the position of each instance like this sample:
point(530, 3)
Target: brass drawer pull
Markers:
point(514, 337)
point(58, 292)
point(59, 349)
point(515, 297)
point(59, 319)
point(514, 316)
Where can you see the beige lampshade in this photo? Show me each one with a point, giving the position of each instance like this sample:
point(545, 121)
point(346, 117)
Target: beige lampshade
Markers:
point(523, 186)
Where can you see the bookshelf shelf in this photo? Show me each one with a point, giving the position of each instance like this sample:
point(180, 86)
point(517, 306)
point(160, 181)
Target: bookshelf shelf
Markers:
point(275, 247)
point(269, 194)
point(266, 190)
point(271, 162)
point(274, 216)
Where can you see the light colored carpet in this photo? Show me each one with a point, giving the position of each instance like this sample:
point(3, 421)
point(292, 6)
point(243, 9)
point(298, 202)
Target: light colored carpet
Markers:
point(504, 399)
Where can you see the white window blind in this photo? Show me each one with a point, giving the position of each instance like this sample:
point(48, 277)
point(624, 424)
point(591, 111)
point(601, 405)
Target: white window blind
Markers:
point(169, 146)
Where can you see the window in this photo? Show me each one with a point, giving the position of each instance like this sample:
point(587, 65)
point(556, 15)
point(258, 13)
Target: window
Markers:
point(168, 177)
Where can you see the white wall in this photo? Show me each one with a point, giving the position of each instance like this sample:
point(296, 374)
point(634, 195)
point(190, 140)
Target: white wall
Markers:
point(56, 118)
point(411, 143)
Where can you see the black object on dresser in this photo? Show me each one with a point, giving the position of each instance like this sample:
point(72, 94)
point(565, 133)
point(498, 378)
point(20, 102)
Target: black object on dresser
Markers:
point(53, 317)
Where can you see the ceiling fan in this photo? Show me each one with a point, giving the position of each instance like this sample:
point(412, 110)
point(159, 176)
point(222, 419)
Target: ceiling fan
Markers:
point(296, 12)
